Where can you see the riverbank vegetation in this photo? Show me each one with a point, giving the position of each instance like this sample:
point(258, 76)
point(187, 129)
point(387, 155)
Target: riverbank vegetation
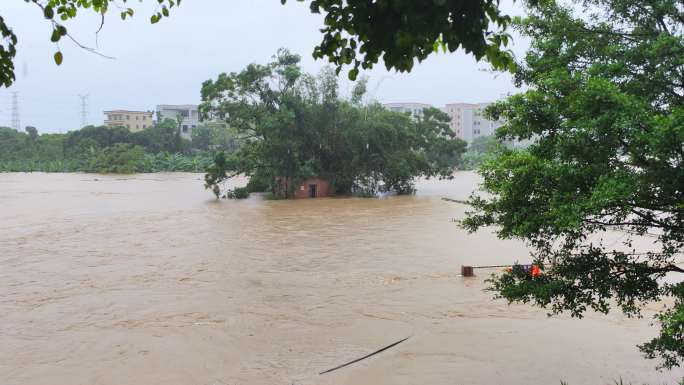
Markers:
point(102, 149)
point(605, 107)
point(296, 126)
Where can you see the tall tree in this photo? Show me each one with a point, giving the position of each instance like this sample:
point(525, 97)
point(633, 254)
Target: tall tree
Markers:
point(605, 107)
point(32, 133)
point(295, 125)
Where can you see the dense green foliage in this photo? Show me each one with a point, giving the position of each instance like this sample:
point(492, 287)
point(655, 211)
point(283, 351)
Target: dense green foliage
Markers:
point(296, 126)
point(605, 107)
point(111, 150)
point(362, 32)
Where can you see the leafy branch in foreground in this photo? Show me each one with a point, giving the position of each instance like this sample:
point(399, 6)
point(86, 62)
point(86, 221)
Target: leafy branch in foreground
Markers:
point(56, 12)
point(599, 196)
point(357, 33)
point(360, 33)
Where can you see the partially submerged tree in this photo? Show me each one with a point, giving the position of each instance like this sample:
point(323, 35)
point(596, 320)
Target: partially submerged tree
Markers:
point(295, 125)
point(606, 108)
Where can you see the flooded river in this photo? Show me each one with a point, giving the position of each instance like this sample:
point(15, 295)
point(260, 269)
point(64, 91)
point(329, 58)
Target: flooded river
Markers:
point(109, 280)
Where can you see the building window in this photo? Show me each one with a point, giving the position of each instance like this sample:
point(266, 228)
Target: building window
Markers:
point(185, 128)
point(128, 117)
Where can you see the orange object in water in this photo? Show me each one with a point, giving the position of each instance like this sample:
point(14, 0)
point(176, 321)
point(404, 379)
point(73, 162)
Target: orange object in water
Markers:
point(536, 271)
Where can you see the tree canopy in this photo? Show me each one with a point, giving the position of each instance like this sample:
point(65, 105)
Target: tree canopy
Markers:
point(295, 125)
point(600, 194)
point(360, 33)
point(356, 33)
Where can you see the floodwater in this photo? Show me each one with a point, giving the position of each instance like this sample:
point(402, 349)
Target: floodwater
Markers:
point(147, 279)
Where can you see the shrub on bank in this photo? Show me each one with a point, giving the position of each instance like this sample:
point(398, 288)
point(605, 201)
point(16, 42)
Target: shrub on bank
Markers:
point(238, 193)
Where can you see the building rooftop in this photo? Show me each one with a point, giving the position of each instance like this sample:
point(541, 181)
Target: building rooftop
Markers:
point(126, 112)
point(463, 105)
point(398, 104)
point(176, 106)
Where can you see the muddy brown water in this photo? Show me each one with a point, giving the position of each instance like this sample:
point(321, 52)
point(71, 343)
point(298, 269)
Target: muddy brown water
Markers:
point(146, 279)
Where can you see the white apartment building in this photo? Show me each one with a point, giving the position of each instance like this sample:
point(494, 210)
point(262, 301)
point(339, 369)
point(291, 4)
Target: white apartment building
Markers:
point(189, 112)
point(415, 109)
point(468, 122)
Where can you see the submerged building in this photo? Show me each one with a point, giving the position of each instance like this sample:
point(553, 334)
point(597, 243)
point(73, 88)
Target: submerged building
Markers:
point(314, 187)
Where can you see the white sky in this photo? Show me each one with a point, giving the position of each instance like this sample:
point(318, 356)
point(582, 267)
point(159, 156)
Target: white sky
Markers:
point(166, 63)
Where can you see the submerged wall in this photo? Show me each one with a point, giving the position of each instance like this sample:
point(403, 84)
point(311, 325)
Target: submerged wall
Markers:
point(321, 189)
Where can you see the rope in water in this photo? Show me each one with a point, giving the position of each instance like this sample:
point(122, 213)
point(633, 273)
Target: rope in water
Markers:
point(491, 267)
point(366, 356)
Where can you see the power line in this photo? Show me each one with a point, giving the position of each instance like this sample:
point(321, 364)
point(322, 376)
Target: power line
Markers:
point(84, 110)
point(16, 122)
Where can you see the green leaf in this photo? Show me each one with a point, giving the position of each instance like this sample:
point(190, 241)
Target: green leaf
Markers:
point(56, 35)
point(58, 58)
point(48, 12)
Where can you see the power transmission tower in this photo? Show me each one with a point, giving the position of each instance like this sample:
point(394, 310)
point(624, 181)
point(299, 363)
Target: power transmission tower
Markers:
point(84, 110)
point(16, 122)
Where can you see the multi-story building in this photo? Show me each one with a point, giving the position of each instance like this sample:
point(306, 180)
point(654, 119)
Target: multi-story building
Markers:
point(189, 113)
point(134, 121)
point(415, 109)
point(468, 121)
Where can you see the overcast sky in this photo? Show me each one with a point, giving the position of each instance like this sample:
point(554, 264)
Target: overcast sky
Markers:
point(167, 62)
